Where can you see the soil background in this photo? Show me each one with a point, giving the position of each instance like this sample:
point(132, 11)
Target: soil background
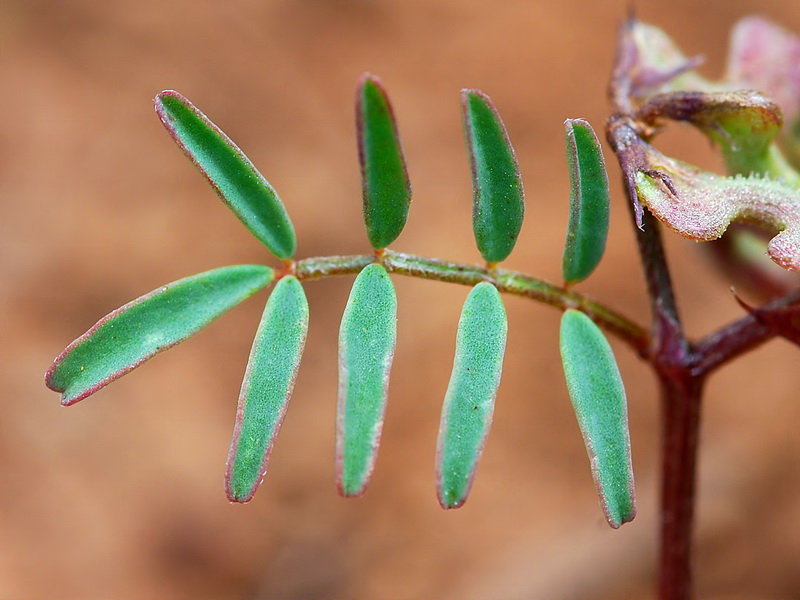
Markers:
point(121, 496)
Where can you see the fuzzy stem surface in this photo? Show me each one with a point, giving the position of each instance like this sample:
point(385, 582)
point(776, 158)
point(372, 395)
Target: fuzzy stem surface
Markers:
point(506, 281)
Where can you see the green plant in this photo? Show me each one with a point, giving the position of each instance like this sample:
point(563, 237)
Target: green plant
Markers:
point(652, 84)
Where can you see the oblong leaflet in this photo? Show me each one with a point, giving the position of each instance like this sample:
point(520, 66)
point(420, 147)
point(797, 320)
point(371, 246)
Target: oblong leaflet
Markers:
point(589, 202)
point(598, 397)
point(130, 335)
point(469, 402)
point(498, 200)
point(267, 387)
point(384, 176)
point(237, 182)
point(367, 340)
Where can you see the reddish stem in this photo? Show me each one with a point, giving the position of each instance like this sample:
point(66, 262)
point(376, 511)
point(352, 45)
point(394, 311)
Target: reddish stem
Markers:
point(681, 425)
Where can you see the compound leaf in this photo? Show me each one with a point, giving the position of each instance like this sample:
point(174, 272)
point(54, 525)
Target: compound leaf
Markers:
point(237, 182)
point(385, 183)
point(598, 397)
point(366, 348)
point(469, 403)
point(498, 205)
point(134, 333)
point(267, 387)
point(589, 202)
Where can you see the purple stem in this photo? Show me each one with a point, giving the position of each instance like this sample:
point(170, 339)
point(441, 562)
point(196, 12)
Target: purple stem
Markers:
point(681, 423)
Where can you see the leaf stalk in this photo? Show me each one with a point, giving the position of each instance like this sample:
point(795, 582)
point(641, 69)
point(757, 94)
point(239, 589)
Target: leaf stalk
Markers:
point(505, 280)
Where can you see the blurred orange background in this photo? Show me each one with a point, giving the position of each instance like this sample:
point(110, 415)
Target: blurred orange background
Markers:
point(121, 496)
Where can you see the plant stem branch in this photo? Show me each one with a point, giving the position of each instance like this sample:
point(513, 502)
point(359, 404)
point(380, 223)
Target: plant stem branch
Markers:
point(681, 367)
point(510, 282)
point(737, 338)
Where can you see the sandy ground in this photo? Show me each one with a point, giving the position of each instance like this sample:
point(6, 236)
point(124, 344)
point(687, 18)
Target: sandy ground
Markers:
point(121, 496)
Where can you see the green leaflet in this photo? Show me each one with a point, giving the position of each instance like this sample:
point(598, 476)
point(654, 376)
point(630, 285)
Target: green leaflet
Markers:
point(384, 177)
point(469, 403)
point(498, 204)
point(366, 348)
point(598, 397)
point(589, 202)
point(267, 387)
point(237, 182)
point(124, 339)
